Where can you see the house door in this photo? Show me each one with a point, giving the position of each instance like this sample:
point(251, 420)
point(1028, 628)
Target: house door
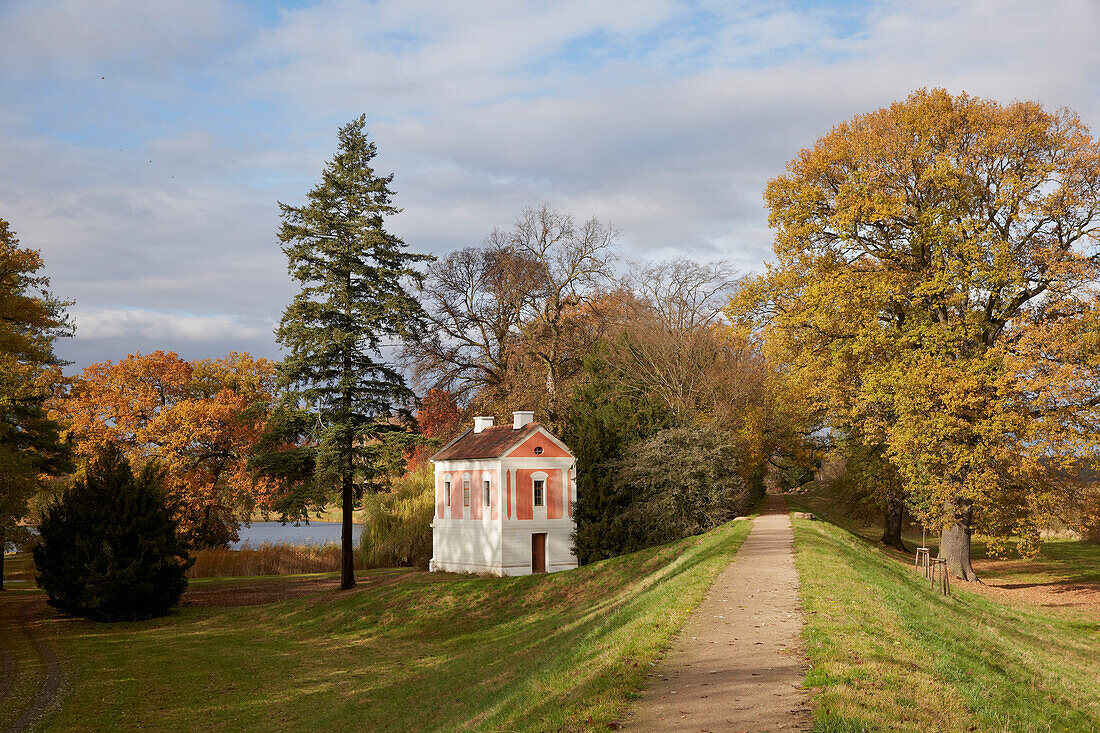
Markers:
point(538, 553)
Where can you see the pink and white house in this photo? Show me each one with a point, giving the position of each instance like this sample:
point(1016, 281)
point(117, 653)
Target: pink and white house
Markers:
point(504, 499)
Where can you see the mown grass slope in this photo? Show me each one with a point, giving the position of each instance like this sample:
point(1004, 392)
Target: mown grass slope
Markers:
point(888, 654)
point(564, 651)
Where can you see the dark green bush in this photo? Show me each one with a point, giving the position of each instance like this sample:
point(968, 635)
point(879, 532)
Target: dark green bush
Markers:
point(605, 420)
point(683, 481)
point(109, 548)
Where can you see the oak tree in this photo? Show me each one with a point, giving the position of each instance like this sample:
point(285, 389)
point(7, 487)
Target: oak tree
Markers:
point(935, 286)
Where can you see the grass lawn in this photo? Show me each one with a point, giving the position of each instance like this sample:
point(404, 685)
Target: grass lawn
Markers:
point(1060, 560)
point(888, 654)
point(429, 652)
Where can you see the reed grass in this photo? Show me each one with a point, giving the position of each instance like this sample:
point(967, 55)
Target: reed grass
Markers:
point(267, 559)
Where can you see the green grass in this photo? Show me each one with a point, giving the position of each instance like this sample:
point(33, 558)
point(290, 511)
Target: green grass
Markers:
point(888, 654)
point(1060, 560)
point(18, 571)
point(563, 651)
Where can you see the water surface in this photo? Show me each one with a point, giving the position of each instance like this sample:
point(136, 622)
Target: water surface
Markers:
point(314, 533)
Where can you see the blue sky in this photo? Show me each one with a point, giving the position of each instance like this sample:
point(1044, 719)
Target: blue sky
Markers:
point(143, 146)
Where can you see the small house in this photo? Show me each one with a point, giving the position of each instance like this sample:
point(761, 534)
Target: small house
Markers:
point(504, 499)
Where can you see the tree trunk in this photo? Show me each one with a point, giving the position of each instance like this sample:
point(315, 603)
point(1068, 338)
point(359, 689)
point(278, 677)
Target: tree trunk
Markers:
point(955, 538)
point(3, 549)
point(891, 533)
point(347, 564)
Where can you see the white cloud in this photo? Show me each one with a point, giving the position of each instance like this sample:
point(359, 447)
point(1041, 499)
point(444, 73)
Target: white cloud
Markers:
point(666, 119)
point(112, 323)
point(89, 39)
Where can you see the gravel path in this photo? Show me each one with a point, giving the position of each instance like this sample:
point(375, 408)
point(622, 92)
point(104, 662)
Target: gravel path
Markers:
point(737, 664)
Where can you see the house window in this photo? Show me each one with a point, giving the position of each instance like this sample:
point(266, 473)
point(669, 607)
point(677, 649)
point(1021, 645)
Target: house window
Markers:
point(539, 491)
point(488, 496)
point(465, 492)
point(447, 492)
point(538, 450)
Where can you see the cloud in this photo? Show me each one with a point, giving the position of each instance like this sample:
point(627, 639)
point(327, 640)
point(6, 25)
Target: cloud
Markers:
point(154, 192)
point(110, 333)
point(77, 38)
point(108, 323)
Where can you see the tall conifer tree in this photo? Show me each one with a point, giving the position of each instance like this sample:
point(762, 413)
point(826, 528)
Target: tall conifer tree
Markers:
point(31, 320)
point(354, 277)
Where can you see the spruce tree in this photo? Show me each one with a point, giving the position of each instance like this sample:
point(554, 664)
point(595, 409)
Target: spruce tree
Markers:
point(354, 297)
point(110, 549)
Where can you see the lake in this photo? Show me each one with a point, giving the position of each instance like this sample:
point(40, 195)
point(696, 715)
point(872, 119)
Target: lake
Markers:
point(314, 533)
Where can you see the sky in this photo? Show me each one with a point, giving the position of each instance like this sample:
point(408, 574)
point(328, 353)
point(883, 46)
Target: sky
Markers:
point(144, 146)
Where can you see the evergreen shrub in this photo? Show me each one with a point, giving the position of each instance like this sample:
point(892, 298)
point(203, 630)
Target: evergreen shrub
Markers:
point(605, 420)
point(684, 481)
point(110, 549)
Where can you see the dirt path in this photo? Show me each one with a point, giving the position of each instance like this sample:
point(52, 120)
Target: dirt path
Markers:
point(737, 664)
point(22, 614)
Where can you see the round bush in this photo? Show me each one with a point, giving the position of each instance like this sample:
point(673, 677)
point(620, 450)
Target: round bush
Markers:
point(683, 481)
point(109, 548)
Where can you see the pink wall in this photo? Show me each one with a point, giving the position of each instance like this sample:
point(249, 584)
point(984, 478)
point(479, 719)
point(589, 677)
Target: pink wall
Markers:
point(456, 496)
point(475, 495)
point(524, 494)
point(553, 494)
point(526, 449)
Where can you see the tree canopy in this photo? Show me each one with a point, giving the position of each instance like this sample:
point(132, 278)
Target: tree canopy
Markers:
point(935, 291)
point(200, 420)
point(31, 321)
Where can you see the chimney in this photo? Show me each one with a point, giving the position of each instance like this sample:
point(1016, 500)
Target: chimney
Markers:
point(480, 423)
point(519, 419)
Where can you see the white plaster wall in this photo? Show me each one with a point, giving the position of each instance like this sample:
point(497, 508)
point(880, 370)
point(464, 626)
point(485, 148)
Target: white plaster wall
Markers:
point(517, 546)
point(466, 546)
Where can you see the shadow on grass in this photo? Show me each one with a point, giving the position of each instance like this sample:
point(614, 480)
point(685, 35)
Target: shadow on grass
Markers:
point(437, 652)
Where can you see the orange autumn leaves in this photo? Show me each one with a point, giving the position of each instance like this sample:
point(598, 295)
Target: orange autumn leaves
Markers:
point(198, 419)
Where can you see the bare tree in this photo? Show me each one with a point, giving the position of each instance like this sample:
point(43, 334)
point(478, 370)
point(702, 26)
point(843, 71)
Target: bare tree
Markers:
point(572, 262)
point(499, 311)
point(682, 294)
point(674, 350)
point(474, 299)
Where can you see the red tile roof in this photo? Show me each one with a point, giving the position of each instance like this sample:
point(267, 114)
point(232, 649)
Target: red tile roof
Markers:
point(489, 443)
